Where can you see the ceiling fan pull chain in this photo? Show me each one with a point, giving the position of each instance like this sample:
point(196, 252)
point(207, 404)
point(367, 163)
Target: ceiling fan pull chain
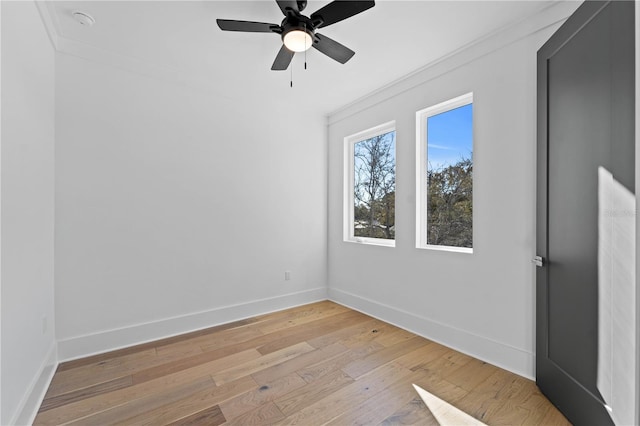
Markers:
point(291, 76)
point(305, 47)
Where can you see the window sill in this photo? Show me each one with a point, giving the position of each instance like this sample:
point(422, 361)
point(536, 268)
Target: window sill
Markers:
point(372, 241)
point(465, 250)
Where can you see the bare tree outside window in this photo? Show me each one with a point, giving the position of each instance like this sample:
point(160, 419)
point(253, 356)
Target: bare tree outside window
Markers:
point(375, 186)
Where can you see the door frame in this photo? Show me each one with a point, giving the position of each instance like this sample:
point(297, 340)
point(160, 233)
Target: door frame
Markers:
point(637, 136)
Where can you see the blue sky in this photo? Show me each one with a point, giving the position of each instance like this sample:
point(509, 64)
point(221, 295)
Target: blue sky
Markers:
point(449, 136)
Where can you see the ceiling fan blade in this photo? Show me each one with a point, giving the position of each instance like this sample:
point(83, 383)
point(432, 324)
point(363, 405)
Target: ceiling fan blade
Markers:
point(332, 48)
point(247, 26)
point(283, 59)
point(288, 6)
point(338, 10)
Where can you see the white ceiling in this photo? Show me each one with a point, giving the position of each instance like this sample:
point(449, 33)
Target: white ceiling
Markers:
point(391, 40)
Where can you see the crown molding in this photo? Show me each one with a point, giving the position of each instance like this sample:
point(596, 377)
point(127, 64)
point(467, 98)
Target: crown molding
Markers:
point(50, 21)
point(546, 17)
point(128, 63)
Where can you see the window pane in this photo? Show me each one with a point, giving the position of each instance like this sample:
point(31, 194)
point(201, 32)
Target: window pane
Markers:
point(374, 186)
point(449, 178)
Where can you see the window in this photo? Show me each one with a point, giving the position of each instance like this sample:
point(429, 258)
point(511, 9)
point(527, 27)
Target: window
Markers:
point(445, 176)
point(370, 186)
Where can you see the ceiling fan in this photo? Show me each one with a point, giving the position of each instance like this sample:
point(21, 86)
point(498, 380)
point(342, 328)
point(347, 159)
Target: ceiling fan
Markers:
point(298, 32)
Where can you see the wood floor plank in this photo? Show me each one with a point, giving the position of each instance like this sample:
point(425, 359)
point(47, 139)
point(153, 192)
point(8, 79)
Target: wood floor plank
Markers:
point(445, 365)
point(130, 364)
point(308, 309)
point(427, 354)
point(254, 398)
point(96, 373)
point(268, 339)
point(319, 327)
point(380, 406)
point(537, 405)
point(484, 401)
point(220, 339)
point(99, 403)
point(394, 337)
point(274, 372)
point(211, 416)
point(120, 413)
point(187, 362)
point(537, 409)
point(312, 392)
point(51, 402)
point(265, 361)
point(474, 373)
point(362, 366)
point(266, 414)
point(315, 371)
point(527, 397)
point(176, 366)
point(376, 333)
point(441, 388)
point(518, 414)
point(69, 365)
point(351, 395)
point(319, 311)
point(413, 413)
point(346, 332)
point(554, 418)
point(189, 405)
point(308, 365)
point(276, 321)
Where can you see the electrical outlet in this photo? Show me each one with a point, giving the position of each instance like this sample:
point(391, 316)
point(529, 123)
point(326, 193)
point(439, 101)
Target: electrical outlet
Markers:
point(287, 275)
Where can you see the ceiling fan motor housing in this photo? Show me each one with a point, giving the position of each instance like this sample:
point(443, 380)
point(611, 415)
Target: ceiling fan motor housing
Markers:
point(298, 23)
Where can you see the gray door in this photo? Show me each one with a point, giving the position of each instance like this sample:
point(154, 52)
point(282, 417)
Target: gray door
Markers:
point(585, 122)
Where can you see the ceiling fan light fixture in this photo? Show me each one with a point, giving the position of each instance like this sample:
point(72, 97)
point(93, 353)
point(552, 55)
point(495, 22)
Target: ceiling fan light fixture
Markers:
point(297, 40)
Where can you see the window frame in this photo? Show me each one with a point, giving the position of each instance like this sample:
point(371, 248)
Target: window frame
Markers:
point(349, 183)
point(421, 171)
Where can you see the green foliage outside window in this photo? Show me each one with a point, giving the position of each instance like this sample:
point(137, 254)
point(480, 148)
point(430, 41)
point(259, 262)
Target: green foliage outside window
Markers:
point(450, 207)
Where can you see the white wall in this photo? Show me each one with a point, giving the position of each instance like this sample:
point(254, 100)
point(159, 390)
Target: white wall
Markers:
point(481, 303)
point(27, 175)
point(178, 209)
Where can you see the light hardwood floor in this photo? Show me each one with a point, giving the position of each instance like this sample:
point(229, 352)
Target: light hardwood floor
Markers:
point(316, 364)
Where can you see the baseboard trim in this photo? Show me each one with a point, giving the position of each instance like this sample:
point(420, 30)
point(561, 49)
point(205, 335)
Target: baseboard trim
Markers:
point(32, 399)
point(518, 361)
point(109, 340)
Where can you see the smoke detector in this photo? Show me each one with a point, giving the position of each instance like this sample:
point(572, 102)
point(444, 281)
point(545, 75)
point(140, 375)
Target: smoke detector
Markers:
point(83, 18)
